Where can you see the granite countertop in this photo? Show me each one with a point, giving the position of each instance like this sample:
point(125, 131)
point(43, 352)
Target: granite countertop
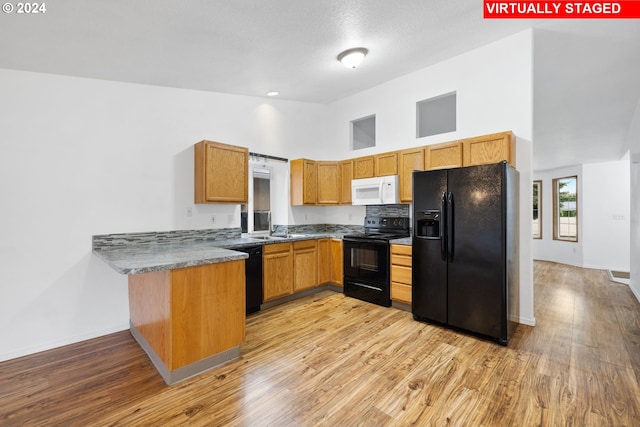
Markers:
point(403, 241)
point(137, 259)
point(150, 257)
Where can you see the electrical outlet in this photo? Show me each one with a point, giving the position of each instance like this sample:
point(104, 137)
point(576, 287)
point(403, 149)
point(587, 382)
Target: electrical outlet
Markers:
point(213, 219)
point(188, 211)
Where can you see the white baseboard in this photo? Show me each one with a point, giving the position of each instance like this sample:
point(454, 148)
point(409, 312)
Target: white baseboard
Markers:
point(527, 321)
point(60, 343)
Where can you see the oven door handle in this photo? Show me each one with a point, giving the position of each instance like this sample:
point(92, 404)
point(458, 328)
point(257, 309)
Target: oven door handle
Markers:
point(362, 285)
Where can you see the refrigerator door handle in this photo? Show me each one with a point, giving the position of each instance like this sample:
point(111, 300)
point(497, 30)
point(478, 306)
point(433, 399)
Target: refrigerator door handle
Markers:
point(450, 217)
point(443, 226)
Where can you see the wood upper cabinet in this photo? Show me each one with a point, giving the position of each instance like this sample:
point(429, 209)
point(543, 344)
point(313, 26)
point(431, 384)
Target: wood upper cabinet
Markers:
point(277, 271)
point(346, 175)
point(401, 273)
point(221, 173)
point(329, 188)
point(305, 265)
point(409, 160)
point(303, 182)
point(364, 167)
point(336, 261)
point(443, 156)
point(386, 164)
point(488, 149)
point(324, 261)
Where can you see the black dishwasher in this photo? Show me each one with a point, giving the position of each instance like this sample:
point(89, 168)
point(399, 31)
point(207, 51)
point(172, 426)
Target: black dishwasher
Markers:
point(253, 274)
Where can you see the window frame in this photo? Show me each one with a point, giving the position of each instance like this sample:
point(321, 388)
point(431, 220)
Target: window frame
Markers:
point(556, 211)
point(538, 183)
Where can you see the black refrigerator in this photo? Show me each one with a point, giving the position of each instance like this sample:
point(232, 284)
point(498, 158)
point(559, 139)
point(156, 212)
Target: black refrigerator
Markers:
point(465, 250)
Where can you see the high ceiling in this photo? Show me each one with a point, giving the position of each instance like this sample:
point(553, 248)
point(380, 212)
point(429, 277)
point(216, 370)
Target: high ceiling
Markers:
point(585, 83)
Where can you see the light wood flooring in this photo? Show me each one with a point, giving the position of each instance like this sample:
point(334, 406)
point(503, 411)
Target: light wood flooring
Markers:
point(329, 360)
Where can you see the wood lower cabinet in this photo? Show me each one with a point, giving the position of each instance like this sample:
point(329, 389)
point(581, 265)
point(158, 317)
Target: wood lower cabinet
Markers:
point(221, 173)
point(330, 261)
point(305, 265)
point(401, 273)
point(277, 271)
point(488, 149)
point(329, 188)
point(410, 160)
point(386, 164)
point(336, 262)
point(364, 167)
point(303, 184)
point(443, 156)
point(324, 261)
point(189, 314)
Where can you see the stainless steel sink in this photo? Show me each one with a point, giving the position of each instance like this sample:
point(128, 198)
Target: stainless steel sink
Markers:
point(266, 237)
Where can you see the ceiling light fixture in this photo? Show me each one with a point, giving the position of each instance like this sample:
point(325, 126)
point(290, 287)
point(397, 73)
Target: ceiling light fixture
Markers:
point(273, 93)
point(351, 58)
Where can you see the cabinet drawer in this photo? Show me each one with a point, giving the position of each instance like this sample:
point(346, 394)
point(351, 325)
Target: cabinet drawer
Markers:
point(401, 292)
point(304, 244)
point(401, 274)
point(276, 247)
point(401, 260)
point(401, 250)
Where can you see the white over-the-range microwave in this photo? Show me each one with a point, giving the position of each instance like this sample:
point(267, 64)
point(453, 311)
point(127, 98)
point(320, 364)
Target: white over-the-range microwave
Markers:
point(382, 190)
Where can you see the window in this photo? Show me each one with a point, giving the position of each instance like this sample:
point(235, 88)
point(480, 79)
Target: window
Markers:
point(436, 115)
point(255, 217)
point(363, 133)
point(565, 209)
point(537, 209)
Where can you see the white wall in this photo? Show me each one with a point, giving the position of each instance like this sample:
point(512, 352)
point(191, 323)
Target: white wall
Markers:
point(494, 93)
point(603, 242)
point(547, 249)
point(83, 157)
point(605, 214)
point(633, 138)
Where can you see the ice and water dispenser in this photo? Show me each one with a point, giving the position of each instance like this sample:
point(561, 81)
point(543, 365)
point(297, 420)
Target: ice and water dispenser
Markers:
point(428, 224)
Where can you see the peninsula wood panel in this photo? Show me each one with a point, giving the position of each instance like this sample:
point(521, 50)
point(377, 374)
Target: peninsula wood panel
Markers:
point(328, 183)
point(364, 167)
point(150, 310)
point(191, 313)
point(346, 175)
point(305, 265)
point(277, 271)
point(443, 156)
point(221, 173)
point(303, 182)
point(207, 310)
point(409, 160)
point(386, 164)
point(488, 149)
point(336, 262)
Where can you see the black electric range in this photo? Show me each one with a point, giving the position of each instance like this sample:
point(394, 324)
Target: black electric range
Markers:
point(366, 259)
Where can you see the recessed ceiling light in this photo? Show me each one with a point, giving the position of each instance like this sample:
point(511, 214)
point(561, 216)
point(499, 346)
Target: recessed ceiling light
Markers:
point(353, 57)
point(273, 93)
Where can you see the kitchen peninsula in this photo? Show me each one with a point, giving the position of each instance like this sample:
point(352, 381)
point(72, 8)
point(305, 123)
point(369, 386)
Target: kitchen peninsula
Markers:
point(186, 298)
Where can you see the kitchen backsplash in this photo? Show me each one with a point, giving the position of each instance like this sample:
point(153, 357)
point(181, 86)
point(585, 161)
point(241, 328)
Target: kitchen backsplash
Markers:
point(114, 241)
point(387, 210)
point(318, 228)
